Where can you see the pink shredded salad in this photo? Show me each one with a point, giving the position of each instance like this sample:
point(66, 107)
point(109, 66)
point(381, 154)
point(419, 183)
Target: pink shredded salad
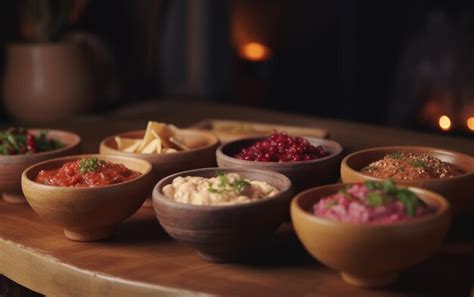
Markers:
point(371, 202)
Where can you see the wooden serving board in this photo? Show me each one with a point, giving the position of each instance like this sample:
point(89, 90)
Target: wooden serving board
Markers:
point(228, 130)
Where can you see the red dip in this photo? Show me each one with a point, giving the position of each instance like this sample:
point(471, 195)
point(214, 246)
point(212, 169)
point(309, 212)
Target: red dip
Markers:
point(86, 173)
point(280, 147)
point(372, 202)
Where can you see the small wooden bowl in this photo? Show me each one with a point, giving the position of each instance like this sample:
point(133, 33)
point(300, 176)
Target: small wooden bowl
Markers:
point(224, 233)
point(201, 154)
point(458, 190)
point(11, 167)
point(303, 174)
point(369, 255)
point(87, 214)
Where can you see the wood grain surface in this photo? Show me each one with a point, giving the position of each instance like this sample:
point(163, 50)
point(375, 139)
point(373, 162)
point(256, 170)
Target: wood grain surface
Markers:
point(141, 260)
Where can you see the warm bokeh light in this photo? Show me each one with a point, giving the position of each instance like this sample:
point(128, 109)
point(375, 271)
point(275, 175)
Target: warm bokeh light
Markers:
point(255, 51)
point(444, 122)
point(470, 123)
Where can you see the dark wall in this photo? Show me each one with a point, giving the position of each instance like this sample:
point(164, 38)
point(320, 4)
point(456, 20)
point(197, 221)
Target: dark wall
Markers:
point(334, 58)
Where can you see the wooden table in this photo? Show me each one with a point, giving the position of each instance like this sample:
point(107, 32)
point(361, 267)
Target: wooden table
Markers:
point(141, 260)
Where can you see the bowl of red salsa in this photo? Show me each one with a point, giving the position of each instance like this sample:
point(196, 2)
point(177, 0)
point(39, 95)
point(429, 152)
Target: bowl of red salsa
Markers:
point(370, 231)
point(21, 148)
point(88, 195)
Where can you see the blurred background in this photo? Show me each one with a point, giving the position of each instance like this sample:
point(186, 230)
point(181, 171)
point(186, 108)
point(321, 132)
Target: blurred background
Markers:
point(403, 64)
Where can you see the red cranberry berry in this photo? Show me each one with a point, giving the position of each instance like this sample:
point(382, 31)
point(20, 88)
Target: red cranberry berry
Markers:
point(279, 147)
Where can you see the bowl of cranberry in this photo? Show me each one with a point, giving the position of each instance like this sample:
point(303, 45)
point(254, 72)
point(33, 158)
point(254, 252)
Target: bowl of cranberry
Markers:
point(307, 161)
point(21, 148)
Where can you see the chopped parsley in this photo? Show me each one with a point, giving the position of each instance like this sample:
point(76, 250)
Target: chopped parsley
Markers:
point(90, 165)
point(375, 199)
point(396, 155)
point(381, 193)
point(417, 163)
point(372, 185)
point(225, 185)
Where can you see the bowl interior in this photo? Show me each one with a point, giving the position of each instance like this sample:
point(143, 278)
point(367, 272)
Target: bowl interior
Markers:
point(68, 139)
point(305, 201)
point(359, 160)
point(281, 182)
point(230, 149)
point(193, 139)
point(134, 164)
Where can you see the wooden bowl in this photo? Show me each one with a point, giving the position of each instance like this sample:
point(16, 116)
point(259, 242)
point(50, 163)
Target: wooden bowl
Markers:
point(303, 174)
point(369, 255)
point(458, 190)
point(87, 214)
point(11, 167)
point(201, 154)
point(224, 233)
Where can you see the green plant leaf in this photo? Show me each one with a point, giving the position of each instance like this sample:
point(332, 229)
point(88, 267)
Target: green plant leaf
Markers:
point(375, 199)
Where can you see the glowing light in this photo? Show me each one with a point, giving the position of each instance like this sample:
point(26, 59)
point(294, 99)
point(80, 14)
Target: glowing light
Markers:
point(470, 123)
point(255, 51)
point(444, 122)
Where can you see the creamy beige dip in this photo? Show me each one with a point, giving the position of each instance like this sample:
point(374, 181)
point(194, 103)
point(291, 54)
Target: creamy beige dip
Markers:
point(224, 189)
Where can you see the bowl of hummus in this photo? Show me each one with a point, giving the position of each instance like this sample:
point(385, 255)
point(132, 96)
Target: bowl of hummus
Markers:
point(446, 172)
point(224, 213)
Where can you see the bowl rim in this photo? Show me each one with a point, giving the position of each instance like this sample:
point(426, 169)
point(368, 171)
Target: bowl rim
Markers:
point(158, 195)
point(405, 147)
point(76, 141)
point(221, 154)
point(444, 207)
point(24, 174)
point(104, 141)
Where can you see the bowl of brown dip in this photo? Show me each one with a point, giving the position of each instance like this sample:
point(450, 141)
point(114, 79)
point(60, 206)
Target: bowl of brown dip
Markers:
point(446, 172)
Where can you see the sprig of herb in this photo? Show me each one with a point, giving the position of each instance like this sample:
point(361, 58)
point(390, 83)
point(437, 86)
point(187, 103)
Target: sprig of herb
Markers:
point(225, 185)
point(89, 165)
point(372, 185)
point(417, 163)
point(409, 200)
point(386, 191)
point(44, 144)
point(375, 199)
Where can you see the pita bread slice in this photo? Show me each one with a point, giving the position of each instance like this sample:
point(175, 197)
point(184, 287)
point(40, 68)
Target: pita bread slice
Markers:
point(150, 147)
point(133, 148)
point(123, 142)
point(157, 127)
point(159, 144)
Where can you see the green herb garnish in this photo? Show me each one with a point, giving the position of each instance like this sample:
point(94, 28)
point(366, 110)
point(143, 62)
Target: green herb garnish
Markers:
point(240, 185)
point(224, 185)
point(396, 155)
point(331, 204)
point(372, 185)
point(409, 200)
point(375, 199)
point(386, 191)
point(418, 163)
point(44, 144)
point(90, 165)
point(388, 186)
